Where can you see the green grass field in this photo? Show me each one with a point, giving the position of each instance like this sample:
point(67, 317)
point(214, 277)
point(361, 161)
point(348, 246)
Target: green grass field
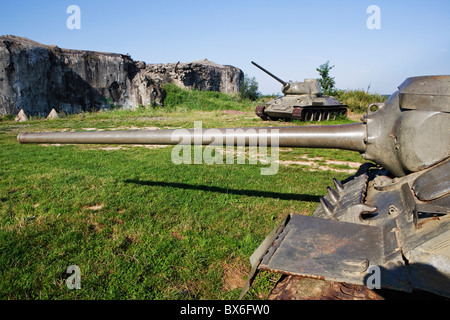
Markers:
point(137, 225)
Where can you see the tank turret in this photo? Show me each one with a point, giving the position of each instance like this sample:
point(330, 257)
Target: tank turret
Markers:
point(309, 87)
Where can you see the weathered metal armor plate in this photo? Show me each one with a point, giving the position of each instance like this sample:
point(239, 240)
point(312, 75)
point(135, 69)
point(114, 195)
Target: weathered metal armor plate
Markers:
point(327, 249)
point(371, 220)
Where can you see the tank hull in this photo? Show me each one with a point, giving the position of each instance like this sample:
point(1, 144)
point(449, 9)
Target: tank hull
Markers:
point(302, 108)
point(370, 235)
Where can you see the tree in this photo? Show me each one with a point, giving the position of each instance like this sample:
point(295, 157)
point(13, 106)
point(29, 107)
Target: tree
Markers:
point(327, 82)
point(249, 89)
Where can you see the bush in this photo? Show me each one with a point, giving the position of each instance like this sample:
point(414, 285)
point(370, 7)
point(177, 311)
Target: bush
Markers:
point(249, 89)
point(201, 100)
point(358, 100)
point(326, 82)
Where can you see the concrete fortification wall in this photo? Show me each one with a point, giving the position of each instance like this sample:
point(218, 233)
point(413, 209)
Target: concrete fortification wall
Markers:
point(38, 78)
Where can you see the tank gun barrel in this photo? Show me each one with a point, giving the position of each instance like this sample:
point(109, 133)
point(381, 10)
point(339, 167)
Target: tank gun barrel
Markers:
point(270, 74)
point(347, 137)
point(408, 133)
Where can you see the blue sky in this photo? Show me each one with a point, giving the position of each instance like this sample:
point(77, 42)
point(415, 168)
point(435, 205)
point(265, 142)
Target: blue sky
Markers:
point(290, 38)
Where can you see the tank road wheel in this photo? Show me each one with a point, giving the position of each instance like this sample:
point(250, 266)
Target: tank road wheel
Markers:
point(316, 116)
point(335, 115)
point(307, 115)
point(319, 116)
point(260, 113)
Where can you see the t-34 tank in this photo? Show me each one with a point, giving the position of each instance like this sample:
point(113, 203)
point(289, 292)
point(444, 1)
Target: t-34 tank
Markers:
point(301, 101)
point(387, 226)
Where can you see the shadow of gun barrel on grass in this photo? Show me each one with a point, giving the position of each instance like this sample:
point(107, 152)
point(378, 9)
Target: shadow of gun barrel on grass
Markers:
point(250, 193)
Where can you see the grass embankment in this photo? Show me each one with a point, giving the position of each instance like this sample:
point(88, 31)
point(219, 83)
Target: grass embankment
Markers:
point(358, 100)
point(137, 225)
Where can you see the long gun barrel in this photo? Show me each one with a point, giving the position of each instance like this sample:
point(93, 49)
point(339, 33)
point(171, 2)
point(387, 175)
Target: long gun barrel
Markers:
point(347, 137)
point(270, 74)
point(397, 136)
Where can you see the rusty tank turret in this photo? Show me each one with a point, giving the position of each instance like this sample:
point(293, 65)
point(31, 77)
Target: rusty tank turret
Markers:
point(302, 101)
point(387, 226)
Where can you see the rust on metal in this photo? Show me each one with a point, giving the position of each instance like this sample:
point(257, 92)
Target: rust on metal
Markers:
point(302, 288)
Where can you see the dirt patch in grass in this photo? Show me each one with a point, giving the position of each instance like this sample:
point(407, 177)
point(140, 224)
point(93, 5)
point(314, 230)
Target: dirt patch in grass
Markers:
point(129, 146)
point(234, 274)
point(176, 235)
point(96, 207)
point(234, 112)
point(314, 166)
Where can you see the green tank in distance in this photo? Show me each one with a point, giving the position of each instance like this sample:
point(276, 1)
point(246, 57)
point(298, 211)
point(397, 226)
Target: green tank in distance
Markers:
point(302, 101)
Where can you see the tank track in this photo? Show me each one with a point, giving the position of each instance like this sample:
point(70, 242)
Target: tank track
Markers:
point(294, 287)
point(260, 113)
point(301, 288)
point(317, 113)
point(347, 201)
